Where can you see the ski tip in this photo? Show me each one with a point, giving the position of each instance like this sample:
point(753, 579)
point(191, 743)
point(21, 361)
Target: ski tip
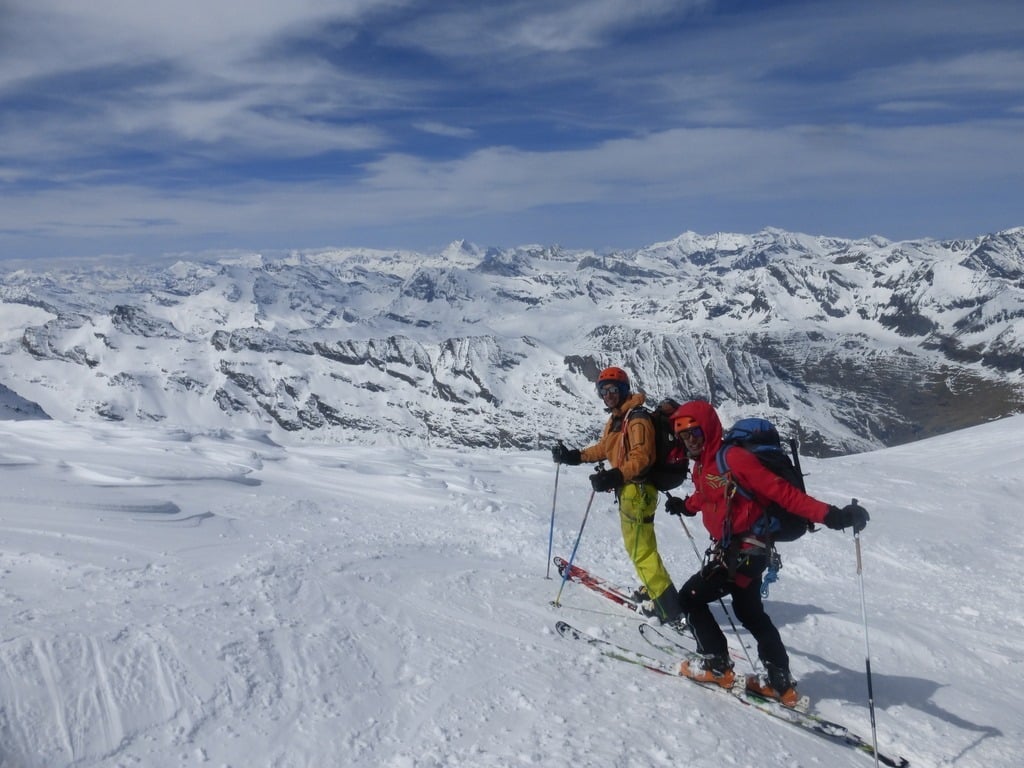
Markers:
point(565, 629)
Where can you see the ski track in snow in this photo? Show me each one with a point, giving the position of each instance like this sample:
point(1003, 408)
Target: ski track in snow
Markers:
point(180, 599)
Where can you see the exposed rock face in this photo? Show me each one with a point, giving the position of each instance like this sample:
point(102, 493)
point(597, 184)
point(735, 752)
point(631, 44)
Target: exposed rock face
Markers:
point(14, 407)
point(854, 344)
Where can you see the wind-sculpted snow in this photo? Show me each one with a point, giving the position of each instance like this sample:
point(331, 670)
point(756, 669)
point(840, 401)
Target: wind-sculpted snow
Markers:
point(211, 597)
point(850, 344)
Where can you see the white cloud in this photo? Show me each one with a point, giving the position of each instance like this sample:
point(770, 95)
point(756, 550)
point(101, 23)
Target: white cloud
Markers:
point(579, 26)
point(971, 75)
point(105, 30)
point(444, 129)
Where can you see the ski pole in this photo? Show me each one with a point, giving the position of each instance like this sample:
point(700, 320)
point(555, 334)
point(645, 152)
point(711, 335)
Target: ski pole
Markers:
point(689, 535)
point(721, 602)
point(572, 556)
point(551, 530)
point(867, 646)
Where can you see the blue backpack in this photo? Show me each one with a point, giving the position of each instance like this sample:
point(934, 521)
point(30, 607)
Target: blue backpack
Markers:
point(761, 438)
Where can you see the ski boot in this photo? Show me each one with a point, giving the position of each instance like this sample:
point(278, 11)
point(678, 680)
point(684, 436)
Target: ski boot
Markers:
point(640, 595)
point(777, 684)
point(715, 669)
point(665, 607)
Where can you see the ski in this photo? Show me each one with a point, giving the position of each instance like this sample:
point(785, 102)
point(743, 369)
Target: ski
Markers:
point(675, 643)
point(806, 721)
point(614, 651)
point(578, 575)
point(655, 634)
point(674, 646)
point(604, 588)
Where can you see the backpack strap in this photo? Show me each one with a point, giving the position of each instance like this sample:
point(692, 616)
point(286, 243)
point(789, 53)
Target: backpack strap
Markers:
point(732, 488)
point(637, 410)
point(643, 413)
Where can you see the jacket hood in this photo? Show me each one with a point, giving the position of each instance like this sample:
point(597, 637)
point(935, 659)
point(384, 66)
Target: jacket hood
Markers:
point(707, 419)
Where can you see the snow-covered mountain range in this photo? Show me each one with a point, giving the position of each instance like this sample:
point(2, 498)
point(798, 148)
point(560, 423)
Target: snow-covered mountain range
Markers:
point(853, 343)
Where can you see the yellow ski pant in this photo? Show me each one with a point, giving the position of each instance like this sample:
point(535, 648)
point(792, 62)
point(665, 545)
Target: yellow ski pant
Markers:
point(637, 504)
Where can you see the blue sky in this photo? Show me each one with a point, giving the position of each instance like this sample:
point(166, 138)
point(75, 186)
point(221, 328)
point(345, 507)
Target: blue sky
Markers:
point(146, 128)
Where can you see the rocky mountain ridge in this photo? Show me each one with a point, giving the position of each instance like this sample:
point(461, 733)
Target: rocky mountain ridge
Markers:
point(852, 344)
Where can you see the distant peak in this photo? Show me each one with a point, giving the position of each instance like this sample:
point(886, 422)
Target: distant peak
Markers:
point(462, 246)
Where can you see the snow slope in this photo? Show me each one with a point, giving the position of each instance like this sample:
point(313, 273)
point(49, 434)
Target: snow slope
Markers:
point(175, 598)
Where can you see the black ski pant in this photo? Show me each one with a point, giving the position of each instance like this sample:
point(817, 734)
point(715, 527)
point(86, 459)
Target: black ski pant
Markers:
point(713, 582)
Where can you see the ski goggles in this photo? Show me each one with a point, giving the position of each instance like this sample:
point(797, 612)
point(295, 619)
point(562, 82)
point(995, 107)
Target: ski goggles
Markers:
point(693, 433)
point(686, 427)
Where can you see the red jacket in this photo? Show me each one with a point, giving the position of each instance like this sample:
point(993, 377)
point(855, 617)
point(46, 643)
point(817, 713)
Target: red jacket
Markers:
point(709, 495)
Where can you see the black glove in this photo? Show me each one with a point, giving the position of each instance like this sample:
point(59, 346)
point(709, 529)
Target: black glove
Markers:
point(677, 506)
point(563, 455)
point(606, 479)
point(852, 514)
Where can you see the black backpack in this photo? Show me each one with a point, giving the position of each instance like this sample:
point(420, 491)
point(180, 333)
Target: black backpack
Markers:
point(761, 438)
point(670, 462)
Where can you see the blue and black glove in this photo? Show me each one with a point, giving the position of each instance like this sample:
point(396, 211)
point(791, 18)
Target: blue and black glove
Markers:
point(852, 514)
point(677, 506)
point(563, 455)
point(606, 480)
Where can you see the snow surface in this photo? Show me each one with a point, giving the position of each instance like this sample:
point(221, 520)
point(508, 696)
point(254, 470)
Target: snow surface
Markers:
point(173, 598)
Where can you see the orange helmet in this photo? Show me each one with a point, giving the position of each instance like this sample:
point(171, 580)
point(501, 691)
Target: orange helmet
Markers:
point(616, 376)
point(683, 422)
point(613, 374)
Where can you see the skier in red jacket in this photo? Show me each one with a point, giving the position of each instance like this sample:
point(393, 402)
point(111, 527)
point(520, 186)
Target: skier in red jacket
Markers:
point(737, 558)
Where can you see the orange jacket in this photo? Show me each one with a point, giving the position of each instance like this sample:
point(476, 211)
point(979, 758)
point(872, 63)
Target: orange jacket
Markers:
point(631, 451)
